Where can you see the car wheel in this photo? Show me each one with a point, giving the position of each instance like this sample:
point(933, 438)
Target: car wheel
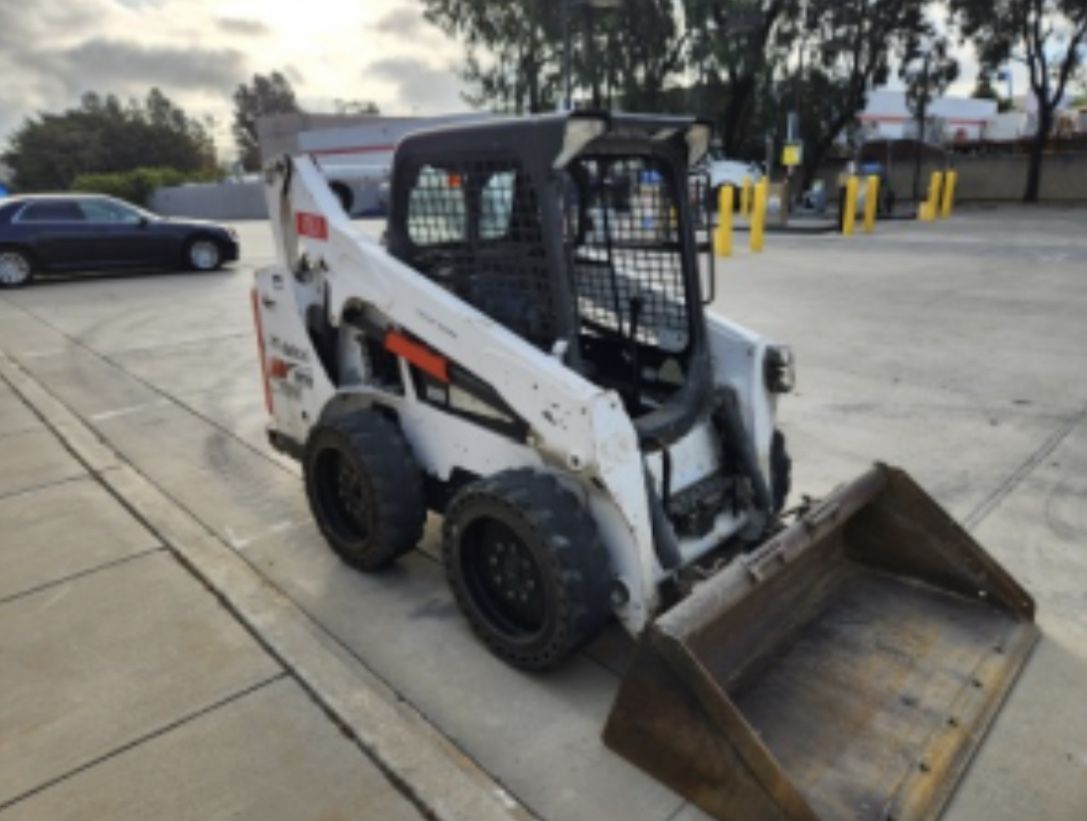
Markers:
point(203, 254)
point(15, 268)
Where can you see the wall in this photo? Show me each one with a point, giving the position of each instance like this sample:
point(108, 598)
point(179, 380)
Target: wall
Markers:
point(990, 178)
point(213, 201)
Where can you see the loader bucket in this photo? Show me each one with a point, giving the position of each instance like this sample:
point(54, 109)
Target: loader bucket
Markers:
point(847, 669)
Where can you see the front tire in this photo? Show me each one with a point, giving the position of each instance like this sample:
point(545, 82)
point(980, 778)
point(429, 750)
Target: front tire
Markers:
point(16, 268)
point(365, 489)
point(203, 254)
point(527, 567)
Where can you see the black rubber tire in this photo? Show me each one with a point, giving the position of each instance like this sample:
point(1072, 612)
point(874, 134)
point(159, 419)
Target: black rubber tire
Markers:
point(390, 485)
point(781, 471)
point(570, 560)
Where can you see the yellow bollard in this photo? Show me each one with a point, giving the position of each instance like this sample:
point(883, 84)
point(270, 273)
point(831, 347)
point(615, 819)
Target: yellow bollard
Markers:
point(951, 178)
point(758, 216)
point(935, 184)
point(722, 237)
point(745, 197)
point(849, 215)
point(871, 202)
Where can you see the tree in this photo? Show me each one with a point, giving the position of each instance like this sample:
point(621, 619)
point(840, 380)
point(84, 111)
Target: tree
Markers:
point(736, 47)
point(851, 46)
point(644, 46)
point(265, 94)
point(927, 69)
point(623, 58)
point(513, 50)
point(102, 135)
point(1048, 36)
point(354, 107)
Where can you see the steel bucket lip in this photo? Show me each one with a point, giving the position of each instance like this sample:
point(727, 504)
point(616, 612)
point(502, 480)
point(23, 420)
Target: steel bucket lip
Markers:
point(669, 650)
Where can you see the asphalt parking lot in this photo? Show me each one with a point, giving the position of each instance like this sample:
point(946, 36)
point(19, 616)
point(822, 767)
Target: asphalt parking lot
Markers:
point(955, 350)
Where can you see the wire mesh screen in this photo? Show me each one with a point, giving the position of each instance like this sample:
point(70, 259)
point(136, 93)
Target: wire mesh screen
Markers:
point(474, 227)
point(624, 239)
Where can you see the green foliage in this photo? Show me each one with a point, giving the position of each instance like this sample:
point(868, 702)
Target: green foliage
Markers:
point(138, 184)
point(102, 135)
point(263, 95)
point(1049, 36)
point(513, 52)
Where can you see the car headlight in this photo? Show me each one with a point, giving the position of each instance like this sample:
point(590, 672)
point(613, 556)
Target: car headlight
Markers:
point(779, 369)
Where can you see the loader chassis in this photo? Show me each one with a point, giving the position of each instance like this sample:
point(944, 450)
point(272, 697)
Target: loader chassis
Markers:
point(530, 357)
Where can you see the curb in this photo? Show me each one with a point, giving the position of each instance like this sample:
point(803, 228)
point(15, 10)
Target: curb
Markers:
point(438, 778)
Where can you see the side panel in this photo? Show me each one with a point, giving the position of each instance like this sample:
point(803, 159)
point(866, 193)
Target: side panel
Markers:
point(739, 357)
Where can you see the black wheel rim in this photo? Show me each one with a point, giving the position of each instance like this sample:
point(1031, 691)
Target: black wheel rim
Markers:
point(504, 579)
point(343, 496)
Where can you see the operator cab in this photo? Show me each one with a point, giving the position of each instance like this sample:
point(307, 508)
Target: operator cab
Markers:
point(572, 231)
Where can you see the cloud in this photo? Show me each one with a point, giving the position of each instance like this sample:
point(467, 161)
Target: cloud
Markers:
point(419, 86)
point(197, 51)
point(110, 64)
point(405, 21)
point(242, 26)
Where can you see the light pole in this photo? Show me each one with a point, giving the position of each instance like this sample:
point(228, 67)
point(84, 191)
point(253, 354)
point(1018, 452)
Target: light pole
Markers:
point(567, 80)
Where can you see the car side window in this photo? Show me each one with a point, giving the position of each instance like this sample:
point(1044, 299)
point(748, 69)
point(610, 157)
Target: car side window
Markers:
point(104, 211)
point(51, 211)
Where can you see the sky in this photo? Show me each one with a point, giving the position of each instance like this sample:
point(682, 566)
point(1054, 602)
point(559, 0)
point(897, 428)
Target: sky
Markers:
point(197, 51)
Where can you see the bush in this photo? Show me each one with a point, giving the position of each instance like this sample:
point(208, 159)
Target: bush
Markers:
point(136, 185)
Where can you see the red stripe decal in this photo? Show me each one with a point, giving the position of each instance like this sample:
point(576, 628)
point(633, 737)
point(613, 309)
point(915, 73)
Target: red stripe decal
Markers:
point(418, 355)
point(311, 225)
point(260, 350)
point(361, 149)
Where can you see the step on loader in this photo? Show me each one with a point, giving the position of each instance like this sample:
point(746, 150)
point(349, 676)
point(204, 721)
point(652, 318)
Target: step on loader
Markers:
point(527, 352)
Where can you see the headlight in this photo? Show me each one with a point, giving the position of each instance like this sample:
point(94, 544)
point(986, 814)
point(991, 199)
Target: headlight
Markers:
point(779, 369)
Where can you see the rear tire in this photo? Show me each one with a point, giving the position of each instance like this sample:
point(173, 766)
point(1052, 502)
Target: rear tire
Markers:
point(527, 567)
point(365, 489)
point(16, 267)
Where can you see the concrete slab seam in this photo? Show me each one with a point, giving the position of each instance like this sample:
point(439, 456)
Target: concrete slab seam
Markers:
point(1052, 442)
point(455, 772)
point(79, 574)
point(136, 742)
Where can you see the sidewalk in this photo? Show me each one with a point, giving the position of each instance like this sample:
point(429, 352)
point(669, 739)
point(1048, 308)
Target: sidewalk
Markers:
point(129, 690)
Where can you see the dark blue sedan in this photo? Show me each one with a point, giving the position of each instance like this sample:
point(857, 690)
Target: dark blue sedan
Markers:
point(61, 232)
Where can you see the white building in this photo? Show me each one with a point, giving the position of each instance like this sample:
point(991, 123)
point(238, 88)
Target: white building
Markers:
point(949, 119)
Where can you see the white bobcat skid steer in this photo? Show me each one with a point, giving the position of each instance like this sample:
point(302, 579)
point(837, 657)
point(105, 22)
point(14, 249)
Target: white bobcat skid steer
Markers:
point(527, 354)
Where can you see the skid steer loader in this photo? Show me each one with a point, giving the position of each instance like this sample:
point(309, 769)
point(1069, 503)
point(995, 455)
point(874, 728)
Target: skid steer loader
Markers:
point(527, 353)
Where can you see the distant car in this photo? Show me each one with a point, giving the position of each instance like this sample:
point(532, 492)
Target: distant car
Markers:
point(720, 171)
point(49, 233)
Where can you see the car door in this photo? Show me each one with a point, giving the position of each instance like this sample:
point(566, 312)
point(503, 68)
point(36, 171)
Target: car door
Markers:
point(57, 231)
point(121, 235)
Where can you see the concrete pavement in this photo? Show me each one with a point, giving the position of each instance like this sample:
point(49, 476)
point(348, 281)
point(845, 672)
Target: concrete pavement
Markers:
point(953, 349)
point(130, 691)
